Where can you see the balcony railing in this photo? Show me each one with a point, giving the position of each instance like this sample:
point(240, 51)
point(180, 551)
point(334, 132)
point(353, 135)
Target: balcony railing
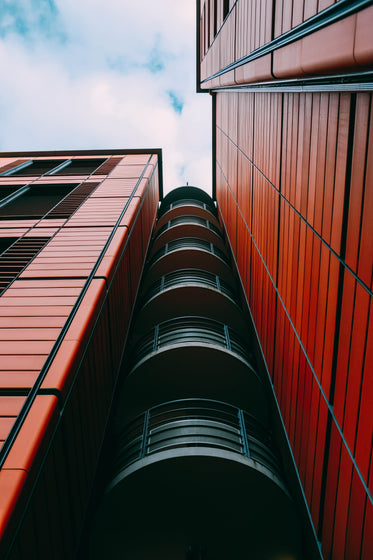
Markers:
point(189, 243)
point(186, 330)
point(195, 423)
point(190, 276)
point(186, 202)
point(180, 220)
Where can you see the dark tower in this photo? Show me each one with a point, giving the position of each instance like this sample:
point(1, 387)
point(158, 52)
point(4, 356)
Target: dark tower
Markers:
point(195, 471)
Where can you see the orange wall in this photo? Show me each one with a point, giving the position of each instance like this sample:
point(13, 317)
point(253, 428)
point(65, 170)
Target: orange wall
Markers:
point(78, 291)
point(295, 190)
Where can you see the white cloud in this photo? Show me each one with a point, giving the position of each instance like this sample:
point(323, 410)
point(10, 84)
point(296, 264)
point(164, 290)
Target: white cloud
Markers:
point(103, 80)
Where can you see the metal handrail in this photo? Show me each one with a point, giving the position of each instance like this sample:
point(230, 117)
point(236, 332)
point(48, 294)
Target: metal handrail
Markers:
point(184, 330)
point(195, 423)
point(179, 220)
point(190, 276)
point(187, 202)
point(188, 243)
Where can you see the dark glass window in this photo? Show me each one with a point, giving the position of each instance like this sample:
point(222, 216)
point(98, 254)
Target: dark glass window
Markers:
point(34, 201)
point(37, 167)
point(7, 190)
point(81, 166)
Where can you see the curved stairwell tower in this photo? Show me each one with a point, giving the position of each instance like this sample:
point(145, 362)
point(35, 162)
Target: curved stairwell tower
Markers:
point(195, 472)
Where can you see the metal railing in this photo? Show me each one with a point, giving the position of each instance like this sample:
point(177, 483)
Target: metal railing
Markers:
point(187, 202)
point(195, 220)
point(188, 243)
point(186, 330)
point(190, 276)
point(195, 423)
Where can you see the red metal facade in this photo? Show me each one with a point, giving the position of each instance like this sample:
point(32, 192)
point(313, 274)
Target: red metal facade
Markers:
point(63, 325)
point(294, 185)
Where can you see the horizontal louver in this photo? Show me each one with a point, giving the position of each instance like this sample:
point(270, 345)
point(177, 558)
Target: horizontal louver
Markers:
point(71, 202)
point(14, 260)
point(11, 165)
point(108, 166)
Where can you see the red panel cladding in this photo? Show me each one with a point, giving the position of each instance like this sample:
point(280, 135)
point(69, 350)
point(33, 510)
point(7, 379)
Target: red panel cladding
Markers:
point(331, 149)
point(357, 353)
point(287, 13)
point(136, 251)
point(347, 309)
point(330, 48)
point(112, 255)
point(331, 491)
point(299, 407)
point(271, 318)
point(315, 285)
point(278, 17)
point(120, 303)
point(107, 166)
point(355, 522)
point(321, 161)
point(294, 391)
point(330, 323)
point(232, 220)
point(254, 71)
point(303, 154)
point(9, 409)
point(311, 444)
point(297, 15)
point(365, 423)
point(246, 124)
point(63, 369)
point(33, 437)
point(322, 303)
point(363, 47)
point(367, 544)
point(340, 166)
point(304, 418)
point(287, 61)
point(357, 178)
point(300, 276)
point(342, 505)
point(313, 158)
point(115, 188)
point(365, 267)
point(12, 483)
point(319, 461)
point(241, 255)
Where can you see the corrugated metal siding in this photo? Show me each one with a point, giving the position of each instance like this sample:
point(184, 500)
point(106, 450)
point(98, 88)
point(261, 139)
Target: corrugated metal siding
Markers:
point(297, 221)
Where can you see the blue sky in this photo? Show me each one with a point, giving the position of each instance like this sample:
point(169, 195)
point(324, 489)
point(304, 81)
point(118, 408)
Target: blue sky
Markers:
point(84, 74)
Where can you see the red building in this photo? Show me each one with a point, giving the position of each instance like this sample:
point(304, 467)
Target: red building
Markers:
point(291, 83)
point(74, 230)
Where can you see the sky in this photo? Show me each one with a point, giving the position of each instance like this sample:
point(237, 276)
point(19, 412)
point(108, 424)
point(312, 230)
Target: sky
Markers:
point(101, 74)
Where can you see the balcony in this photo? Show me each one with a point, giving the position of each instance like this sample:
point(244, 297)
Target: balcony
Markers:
point(188, 226)
point(196, 472)
point(186, 207)
point(191, 357)
point(190, 292)
point(188, 252)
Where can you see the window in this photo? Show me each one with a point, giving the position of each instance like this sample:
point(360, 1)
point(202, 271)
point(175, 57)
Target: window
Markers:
point(62, 166)
point(31, 201)
point(80, 167)
point(34, 167)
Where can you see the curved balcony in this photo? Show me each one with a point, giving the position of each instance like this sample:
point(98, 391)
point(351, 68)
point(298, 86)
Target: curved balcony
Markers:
point(187, 192)
point(191, 357)
point(188, 226)
point(189, 292)
point(188, 252)
point(186, 207)
point(200, 472)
